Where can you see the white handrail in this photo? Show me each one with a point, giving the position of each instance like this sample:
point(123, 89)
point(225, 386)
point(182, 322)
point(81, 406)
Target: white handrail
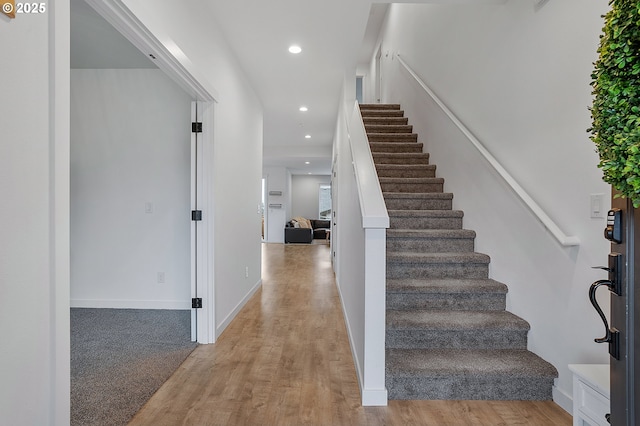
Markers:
point(524, 196)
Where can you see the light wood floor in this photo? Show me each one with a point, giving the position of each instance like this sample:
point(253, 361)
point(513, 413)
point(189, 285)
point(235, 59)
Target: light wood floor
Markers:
point(286, 360)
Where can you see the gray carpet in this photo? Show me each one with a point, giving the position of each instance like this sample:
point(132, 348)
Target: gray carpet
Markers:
point(120, 357)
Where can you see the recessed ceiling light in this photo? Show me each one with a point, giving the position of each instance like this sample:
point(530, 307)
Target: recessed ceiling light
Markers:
point(304, 109)
point(306, 162)
point(295, 49)
point(309, 173)
point(307, 136)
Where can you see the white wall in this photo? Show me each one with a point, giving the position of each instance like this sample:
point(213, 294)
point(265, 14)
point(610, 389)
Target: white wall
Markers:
point(305, 191)
point(519, 79)
point(34, 216)
point(348, 242)
point(192, 35)
point(130, 146)
point(278, 180)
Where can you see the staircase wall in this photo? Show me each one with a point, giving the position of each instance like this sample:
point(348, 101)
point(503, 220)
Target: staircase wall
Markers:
point(358, 250)
point(519, 80)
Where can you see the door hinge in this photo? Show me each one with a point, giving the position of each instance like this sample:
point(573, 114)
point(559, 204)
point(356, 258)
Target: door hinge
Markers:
point(196, 302)
point(196, 215)
point(196, 127)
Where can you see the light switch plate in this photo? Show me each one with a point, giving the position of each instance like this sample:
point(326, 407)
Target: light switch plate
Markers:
point(597, 206)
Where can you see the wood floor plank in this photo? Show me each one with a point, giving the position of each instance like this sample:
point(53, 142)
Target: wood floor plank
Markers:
point(286, 360)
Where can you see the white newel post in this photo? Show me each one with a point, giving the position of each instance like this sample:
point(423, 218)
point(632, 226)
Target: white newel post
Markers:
point(374, 391)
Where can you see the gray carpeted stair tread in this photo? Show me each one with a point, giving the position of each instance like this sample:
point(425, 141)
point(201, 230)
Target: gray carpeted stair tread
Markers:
point(411, 171)
point(418, 195)
point(388, 128)
point(440, 363)
point(482, 374)
point(425, 219)
point(455, 329)
point(377, 120)
point(379, 106)
point(437, 265)
point(452, 294)
point(392, 137)
point(404, 167)
point(430, 240)
point(411, 180)
point(418, 200)
point(454, 320)
point(402, 147)
point(400, 157)
point(440, 286)
point(395, 136)
point(437, 258)
point(381, 113)
point(431, 233)
point(425, 213)
point(412, 185)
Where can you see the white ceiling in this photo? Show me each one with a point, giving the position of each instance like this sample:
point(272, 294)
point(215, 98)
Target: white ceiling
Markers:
point(330, 32)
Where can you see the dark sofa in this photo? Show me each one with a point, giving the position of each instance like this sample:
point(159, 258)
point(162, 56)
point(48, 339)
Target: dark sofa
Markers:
point(320, 228)
point(306, 235)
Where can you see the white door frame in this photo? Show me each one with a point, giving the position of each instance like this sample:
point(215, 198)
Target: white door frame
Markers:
point(378, 77)
point(124, 21)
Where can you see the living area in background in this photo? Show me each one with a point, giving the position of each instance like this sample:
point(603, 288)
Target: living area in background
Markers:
point(302, 230)
point(297, 207)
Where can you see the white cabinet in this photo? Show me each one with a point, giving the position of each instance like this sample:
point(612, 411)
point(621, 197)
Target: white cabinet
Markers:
point(590, 394)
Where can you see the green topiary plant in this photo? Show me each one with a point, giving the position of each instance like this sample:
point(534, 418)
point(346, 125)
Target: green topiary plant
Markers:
point(616, 107)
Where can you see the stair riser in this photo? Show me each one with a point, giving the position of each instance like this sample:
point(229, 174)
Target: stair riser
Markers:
point(420, 158)
point(457, 302)
point(412, 187)
point(431, 245)
point(396, 147)
point(425, 222)
point(454, 339)
point(388, 128)
point(393, 138)
point(367, 107)
point(417, 204)
point(385, 121)
point(381, 113)
point(437, 270)
point(470, 388)
point(416, 172)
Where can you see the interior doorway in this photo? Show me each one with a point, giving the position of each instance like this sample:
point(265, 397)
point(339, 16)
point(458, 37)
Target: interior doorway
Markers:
point(116, 15)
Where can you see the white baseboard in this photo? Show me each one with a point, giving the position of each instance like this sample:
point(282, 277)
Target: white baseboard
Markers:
point(564, 400)
point(131, 304)
point(225, 323)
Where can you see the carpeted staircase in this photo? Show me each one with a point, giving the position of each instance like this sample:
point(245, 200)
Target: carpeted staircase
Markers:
point(448, 334)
